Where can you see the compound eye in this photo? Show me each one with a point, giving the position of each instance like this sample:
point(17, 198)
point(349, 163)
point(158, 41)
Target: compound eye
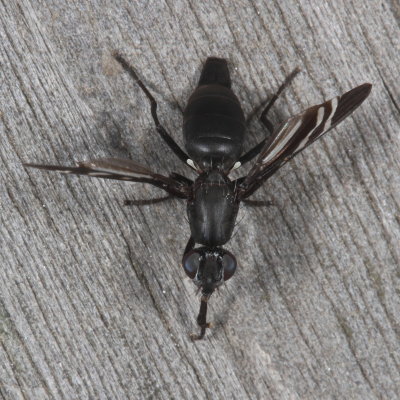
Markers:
point(229, 265)
point(191, 262)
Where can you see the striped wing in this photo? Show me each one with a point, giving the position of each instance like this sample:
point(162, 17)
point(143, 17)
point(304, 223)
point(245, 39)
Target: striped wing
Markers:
point(119, 169)
point(299, 132)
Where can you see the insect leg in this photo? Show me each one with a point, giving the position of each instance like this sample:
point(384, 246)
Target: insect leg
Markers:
point(202, 316)
point(265, 121)
point(257, 203)
point(263, 118)
point(180, 178)
point(147, 202)
point(160, 129)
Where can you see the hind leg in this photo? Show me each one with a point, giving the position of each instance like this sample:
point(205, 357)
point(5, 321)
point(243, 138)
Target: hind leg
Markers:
point(265, 121)
point(160, 129)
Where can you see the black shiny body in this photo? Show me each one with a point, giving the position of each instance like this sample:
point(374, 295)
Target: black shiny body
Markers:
point(213, 128)
point(213, 120)
point(212, 209)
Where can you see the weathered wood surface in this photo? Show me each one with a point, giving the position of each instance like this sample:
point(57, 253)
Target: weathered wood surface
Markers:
point(94, 304)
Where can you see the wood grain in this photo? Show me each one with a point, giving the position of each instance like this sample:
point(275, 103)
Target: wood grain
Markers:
point(94, 304)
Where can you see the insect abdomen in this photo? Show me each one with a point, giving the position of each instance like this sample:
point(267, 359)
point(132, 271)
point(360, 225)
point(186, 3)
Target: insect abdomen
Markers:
point(213, 119)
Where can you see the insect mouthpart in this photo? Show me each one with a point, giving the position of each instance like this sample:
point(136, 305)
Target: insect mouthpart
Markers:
point(209, 268)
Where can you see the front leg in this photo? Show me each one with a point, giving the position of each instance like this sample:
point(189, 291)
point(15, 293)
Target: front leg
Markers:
point(202, 316)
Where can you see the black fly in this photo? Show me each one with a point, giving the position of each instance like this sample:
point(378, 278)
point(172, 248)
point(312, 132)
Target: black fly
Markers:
point(213, 130)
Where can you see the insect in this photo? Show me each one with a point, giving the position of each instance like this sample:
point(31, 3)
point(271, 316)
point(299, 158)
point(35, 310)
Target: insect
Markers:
point(214, 131)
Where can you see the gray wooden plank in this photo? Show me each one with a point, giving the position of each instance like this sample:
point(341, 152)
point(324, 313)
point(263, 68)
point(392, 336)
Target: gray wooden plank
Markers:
point(94, 303)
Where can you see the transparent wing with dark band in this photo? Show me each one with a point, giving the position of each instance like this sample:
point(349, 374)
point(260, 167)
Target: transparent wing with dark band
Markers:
point(299, 132)
point(119, 169)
